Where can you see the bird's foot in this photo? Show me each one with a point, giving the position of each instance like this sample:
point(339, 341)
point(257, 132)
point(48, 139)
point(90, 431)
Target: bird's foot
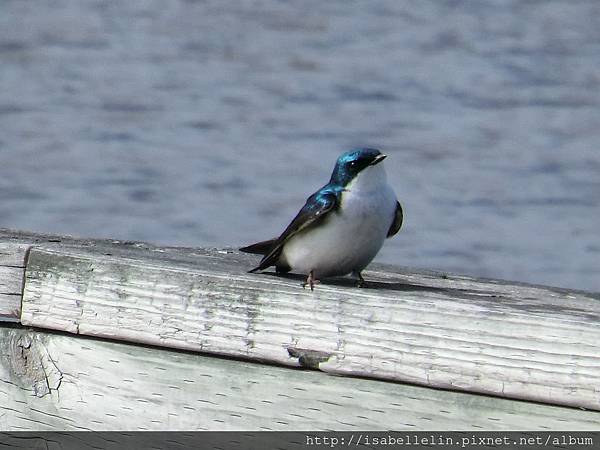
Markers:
point(360, 282)
point(310, 281)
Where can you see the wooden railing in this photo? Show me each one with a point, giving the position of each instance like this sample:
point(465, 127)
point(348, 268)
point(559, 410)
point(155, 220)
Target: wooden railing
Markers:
point(457, 333)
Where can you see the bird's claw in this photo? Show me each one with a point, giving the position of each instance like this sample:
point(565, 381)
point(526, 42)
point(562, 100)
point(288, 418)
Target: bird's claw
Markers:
point(310, 281)
point(360, 282)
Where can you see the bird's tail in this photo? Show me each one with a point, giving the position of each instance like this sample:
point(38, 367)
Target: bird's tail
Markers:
point(260, 248)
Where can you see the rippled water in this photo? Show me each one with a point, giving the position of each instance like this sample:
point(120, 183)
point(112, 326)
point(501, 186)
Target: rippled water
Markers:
point(208, 123)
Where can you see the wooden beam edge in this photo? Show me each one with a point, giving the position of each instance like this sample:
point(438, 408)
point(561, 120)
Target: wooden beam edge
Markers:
point(51, 379)
point(13, 260)
point(316, 359)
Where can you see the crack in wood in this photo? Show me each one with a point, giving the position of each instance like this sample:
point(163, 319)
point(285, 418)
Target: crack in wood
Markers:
point(33, 367)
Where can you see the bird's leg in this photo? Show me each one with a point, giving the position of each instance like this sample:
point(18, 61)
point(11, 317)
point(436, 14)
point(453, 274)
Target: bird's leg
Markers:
point(361, 281)
point(311, 281)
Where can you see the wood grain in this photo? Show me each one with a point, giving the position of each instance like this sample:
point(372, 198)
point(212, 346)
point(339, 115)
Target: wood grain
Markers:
point(485, 336)
point(51, 381)
point(12, 272)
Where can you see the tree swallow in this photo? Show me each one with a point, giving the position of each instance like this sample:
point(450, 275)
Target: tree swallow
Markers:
point(341, 227)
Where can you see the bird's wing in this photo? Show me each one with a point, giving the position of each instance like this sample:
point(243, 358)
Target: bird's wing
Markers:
point(260, 248)
point(317, 207)
point(397, 223)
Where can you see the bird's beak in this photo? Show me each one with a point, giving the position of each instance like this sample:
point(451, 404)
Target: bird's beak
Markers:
point(378, 159)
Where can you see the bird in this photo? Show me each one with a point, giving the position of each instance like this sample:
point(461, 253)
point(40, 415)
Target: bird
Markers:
point(341, 227)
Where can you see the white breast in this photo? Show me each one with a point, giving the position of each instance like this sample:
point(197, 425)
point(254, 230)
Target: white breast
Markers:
point(349, 238)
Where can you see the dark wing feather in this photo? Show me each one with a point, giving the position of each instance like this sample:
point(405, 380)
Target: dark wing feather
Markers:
point(316, 208)
point(397, 223)
point(260, 248)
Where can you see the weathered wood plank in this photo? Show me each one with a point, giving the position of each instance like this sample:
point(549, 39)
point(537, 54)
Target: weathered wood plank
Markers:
point(10, 307)
point(487, 336)
point(54, 381)
point(12, 271)
point(11, 279)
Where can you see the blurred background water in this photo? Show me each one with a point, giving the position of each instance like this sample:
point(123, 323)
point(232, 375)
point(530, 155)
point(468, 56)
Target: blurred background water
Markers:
point(204, 123)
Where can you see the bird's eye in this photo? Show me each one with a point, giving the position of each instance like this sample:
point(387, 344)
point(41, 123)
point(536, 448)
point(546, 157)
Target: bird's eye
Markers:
point(353, 164)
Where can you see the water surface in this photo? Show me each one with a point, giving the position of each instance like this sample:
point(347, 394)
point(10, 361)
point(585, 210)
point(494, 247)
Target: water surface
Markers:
point(206, 123)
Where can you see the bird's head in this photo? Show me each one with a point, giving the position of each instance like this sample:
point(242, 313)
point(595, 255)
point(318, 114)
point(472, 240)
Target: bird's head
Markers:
point(354, 163)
